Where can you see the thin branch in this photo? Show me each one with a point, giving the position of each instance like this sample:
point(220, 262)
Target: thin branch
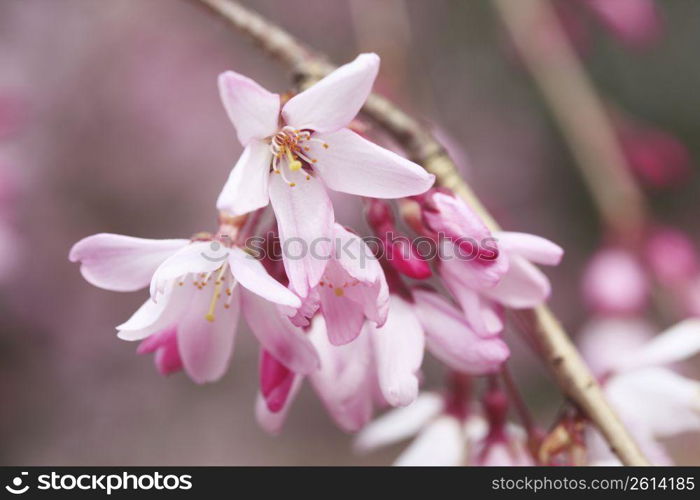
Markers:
point(579, 112)
point(569, 370)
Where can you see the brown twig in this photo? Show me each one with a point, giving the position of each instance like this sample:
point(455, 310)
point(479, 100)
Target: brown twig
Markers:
point(569, 370)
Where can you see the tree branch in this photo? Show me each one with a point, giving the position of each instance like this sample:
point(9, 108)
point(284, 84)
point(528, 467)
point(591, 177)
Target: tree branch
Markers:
point(569, 370)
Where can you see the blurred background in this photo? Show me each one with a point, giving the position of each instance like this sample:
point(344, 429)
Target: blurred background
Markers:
point(110, 122)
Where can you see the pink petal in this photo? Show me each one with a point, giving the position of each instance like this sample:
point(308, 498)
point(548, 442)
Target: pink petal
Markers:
point(287, 343)
point(452, 341)
point(680, 342)
point(251, 274)
point(354, 165)
point(398, 351)
point(399, 424)
point(533, 248)
point(275, 382)
point(197, 257)
point(253, 110)
point(455, 218)
point(206, 346)
point(354, 258)
point(481, 314)
point(305, 223)
point(272, 422)
point(121, 263)
point(440, 444)
point(334, 101)
point(309, 306)
point(164, 345)
point(344, 317)
point(344, 382)
point(246, 189)
point(523, 286)
point(465, 272)
point(153, 317)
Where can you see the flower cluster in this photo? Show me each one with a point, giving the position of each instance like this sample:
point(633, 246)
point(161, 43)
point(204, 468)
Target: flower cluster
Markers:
point(351, 320)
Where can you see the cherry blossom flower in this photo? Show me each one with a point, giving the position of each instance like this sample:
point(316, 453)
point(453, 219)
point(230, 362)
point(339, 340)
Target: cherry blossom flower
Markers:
point(294, 152)
point(637, 372)
point(195, 300)
point(351, 290)
point(487, 271)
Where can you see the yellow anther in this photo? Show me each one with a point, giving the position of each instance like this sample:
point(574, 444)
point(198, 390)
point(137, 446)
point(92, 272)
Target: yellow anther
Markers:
point(339, 292)
point(295, 165)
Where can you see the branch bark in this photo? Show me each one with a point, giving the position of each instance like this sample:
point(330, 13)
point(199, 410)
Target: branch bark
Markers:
point(572, 375)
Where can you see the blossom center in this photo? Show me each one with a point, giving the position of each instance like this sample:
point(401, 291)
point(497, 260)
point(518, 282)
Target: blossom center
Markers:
point(291, 149)
point(222, 283)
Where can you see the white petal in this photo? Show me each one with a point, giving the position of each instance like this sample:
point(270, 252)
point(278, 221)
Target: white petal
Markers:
point(354, 165)
point(153, 317)
point(246, 189)
point(399, 424)
point(253, 110)
point(335, 100)
point(534, 248)
point(441, 444)
point(606, 343)
point(195, 258)
point(398, 350)
point(287, 343)
point(524, 286)
point(679, 342)
point(206, 346)
point(121, 263)
point(251, 274)
point(658, 399)
point(344, 382)
point(305, 223)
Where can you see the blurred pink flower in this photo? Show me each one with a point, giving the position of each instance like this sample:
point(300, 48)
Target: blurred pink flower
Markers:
point(205, 324)
point(656, 157)
point(672, 257)
point(310, 150)
point(639, 380)
point(614, 282)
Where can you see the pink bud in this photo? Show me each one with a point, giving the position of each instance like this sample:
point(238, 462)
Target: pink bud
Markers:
point(672, 256)
point(400, 251)
point(164, 345)
point(403, 256)
point(454, 219)
point(614, 283)
point(275, 382)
